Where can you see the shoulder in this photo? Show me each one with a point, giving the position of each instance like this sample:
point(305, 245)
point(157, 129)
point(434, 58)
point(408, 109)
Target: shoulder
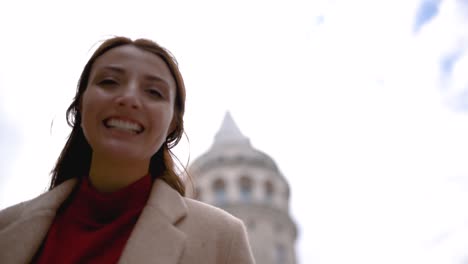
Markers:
point(9, 214)
point(210, 214)
point(221, 236)
point(207, 220)
point(46, 202)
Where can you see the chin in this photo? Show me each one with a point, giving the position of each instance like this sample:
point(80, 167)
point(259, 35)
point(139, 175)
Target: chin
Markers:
point(123, 155)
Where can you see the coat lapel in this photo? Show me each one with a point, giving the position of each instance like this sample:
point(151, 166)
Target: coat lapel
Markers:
point(155, 238)
point(22, 238)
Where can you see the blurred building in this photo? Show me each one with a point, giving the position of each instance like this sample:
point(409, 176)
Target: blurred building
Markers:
point(246, 182)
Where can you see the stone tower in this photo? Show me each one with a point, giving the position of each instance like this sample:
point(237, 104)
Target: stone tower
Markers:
point(246, 182)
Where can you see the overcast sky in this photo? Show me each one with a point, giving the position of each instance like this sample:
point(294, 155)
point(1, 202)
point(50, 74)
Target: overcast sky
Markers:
point(363, 104)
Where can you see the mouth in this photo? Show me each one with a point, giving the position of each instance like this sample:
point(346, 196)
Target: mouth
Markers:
point(124, 125)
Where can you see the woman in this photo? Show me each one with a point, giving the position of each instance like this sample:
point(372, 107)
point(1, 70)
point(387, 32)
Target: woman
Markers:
point(114, 195)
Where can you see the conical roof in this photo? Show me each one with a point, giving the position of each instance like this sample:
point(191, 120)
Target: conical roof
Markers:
point(229, 133)
point(230, 146)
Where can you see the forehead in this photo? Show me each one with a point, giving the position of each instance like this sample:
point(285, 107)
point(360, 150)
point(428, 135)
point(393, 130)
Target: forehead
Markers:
point(133, 60)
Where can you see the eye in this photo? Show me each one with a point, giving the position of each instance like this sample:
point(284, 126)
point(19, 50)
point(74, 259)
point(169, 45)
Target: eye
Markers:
point(107, 82)
point(155, 93)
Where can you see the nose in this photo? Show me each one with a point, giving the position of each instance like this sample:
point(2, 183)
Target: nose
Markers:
point(129, 97)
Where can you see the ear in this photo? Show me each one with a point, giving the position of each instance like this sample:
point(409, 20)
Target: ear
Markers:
point(173, 125)
point(79, 105)
point(79, 108)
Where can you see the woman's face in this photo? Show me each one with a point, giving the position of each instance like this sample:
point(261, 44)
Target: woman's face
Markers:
point(128, 106)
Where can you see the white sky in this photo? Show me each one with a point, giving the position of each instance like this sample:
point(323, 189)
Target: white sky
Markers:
point(344, 95)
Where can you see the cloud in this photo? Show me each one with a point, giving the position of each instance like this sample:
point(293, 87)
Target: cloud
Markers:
point(448, 61)
point(444, 40)
point(456, 83)
point(427, 10)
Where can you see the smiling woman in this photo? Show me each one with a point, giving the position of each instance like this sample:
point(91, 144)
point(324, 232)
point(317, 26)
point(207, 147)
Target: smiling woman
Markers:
point(126, 114)
point(114, 194)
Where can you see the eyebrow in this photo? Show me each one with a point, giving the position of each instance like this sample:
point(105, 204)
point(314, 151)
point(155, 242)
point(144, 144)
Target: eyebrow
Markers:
point(154, 78)
point(114, 68)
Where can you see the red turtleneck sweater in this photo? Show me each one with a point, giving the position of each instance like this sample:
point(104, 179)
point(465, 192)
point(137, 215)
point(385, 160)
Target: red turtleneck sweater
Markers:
point(93, 227)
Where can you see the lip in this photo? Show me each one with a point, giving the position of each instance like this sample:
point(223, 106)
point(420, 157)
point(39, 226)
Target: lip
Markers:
point(126, 119)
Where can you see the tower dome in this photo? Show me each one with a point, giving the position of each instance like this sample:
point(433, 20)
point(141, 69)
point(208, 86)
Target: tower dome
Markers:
point(230, 146)
point(246, 182)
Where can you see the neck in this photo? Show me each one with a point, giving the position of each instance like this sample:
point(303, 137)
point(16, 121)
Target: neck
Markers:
point(110, 176)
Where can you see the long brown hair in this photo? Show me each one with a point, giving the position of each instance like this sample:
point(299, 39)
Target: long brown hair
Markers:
point(75, 159)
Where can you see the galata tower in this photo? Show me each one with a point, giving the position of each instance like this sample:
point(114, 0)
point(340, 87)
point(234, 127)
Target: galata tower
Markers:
point(246, 182)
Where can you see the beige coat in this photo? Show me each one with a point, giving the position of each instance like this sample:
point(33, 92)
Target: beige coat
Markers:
point(171, 229)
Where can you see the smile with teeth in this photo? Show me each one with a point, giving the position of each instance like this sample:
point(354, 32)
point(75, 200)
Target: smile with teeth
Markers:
point(123, 125)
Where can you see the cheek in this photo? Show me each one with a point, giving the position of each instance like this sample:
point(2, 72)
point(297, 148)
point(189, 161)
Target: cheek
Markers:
point(88, 114)
point(85, 114)
point(163, 124)
point(88, 104)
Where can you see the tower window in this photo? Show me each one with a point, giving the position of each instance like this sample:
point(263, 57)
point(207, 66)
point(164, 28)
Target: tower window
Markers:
point(219, 189)
point(268, 190)
point(220, 159)
point(238, 159)
point(245, 188)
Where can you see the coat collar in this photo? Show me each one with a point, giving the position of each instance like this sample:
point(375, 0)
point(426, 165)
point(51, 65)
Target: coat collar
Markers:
point(154, 239)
